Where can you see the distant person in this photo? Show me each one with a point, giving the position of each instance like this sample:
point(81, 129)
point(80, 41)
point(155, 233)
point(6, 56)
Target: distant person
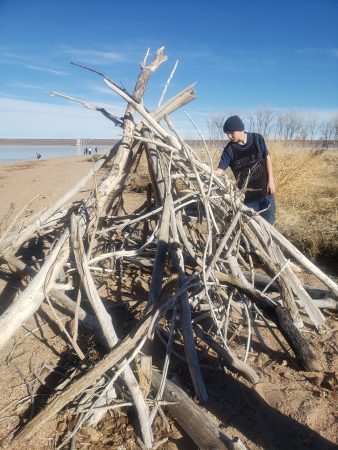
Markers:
point(38, 155)
point(96, 150)
point(248, 157)
point(89, 151)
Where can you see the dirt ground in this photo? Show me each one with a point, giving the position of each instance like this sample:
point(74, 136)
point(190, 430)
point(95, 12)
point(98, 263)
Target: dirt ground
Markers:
point(287, 409)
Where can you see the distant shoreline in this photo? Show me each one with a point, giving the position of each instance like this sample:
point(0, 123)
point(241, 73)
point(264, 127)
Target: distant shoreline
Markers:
point(73, 141)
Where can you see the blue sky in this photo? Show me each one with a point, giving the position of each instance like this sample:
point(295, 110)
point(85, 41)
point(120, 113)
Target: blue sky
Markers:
point(242, 54)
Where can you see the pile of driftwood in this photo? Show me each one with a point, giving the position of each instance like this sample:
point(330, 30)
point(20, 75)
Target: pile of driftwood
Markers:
point(211, 262)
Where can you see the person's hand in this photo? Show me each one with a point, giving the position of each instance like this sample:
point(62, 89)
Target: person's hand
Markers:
point(219, 171)
point(271, 187)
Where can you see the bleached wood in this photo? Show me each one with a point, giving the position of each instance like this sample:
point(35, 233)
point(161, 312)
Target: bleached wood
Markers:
point(31, 298)
point(87, 380)
point(189, 347)
point(300, 258)
point(194, 420)
point(182, 98)
point(89, 285)
point(116, 120)
point(230, 359)
point(311, 308)
point(155, 170)
point(108, 329)
point(262, 280)
point(167, 83)
point(275, 313)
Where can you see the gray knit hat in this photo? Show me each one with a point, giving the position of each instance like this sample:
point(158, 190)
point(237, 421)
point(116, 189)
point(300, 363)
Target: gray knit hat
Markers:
point(233, 123)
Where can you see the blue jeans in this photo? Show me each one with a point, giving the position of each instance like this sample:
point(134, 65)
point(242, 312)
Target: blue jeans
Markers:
point(267, 203)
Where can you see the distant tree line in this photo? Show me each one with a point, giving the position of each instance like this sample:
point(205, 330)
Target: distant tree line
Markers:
point(282, 126)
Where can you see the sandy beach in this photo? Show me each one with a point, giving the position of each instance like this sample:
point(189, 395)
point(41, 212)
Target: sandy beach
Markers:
point(44, 180)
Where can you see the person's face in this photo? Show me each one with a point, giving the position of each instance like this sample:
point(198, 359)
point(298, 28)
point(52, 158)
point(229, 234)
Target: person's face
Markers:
point(235, 136)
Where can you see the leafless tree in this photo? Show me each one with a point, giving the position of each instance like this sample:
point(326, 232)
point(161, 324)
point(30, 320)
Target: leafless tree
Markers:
point(312, 126)
point(327, 129)
point(279, 127)
point(288, 125)
point(303, 132)
point(293, 124)
point(215, 124)
point(263, 120)
point(335, 127)
point(251, 121)
point(307, 129)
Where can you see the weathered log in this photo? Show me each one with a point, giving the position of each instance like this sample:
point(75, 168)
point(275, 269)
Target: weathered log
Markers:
point(156, 284)
point(193, 420)
point(280, 317)
point(189, 347)
point(88, 379)
point(322, 303)
point(229, 359)
point(271, 267)
point(118, 176)
point(261, 281)
point(88, 283)
point(311, 308)
point(108, 329)
point(87, 319)
point(287, 282)
point(155, 171)
point(31, 298)
point(171, 105)
point(302, 260)
point(108, 115)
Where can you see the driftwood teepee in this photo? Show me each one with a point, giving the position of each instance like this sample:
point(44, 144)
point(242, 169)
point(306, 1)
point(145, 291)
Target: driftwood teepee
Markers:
point(207, 255)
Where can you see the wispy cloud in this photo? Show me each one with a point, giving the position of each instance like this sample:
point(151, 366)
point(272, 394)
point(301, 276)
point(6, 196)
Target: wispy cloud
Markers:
point(12, 54)
point(8, 59)
point(319, 51)
point(13, 57)
point(94, 56)
point(46, 69)
point(28, 60)
point(21, 85)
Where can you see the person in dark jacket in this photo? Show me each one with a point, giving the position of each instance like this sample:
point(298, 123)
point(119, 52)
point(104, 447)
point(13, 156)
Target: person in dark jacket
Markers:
point(248, 157)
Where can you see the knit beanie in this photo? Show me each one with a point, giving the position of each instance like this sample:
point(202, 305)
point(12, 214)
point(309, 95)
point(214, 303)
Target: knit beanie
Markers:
point(233, 123)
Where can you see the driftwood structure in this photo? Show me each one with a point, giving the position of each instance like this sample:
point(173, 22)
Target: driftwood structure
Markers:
point(209, 259)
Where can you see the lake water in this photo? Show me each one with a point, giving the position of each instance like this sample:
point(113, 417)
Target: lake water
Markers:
point(14, 153)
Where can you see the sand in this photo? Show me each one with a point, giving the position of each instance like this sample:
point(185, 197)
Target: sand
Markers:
point(46, 179)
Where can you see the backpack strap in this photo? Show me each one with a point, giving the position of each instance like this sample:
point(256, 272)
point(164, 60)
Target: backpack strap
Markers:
point(256, 139)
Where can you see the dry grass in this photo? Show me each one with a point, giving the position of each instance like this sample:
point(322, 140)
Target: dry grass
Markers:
point(307, 198)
